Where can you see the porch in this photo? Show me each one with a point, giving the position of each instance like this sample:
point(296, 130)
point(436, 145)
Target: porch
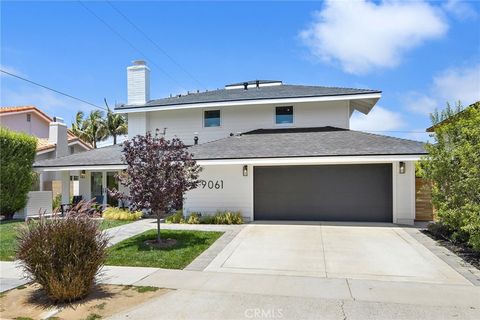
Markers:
point(92, 184)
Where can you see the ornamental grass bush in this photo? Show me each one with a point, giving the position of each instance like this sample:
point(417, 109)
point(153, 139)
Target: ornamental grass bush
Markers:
point(63, 255)
point(177, 217)
point(228, 217)
point(113, 213)
point(220, 217)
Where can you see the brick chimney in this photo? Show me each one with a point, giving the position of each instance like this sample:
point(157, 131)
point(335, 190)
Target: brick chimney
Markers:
point(138, 83)
point(58, 134)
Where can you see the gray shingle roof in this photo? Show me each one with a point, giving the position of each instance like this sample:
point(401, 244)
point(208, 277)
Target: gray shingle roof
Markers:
point(305, 142)
point(268, 143)
point(272, 92)
point(110, 155)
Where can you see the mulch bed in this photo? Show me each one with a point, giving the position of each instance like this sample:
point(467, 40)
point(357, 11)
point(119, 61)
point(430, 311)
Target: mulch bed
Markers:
point(463, 251)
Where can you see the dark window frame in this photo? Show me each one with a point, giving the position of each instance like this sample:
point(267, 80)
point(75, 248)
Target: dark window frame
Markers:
point(212, 125)
point(283, 109)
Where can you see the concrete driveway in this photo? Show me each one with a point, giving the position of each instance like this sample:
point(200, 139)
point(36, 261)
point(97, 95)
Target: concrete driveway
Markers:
point(358, 251)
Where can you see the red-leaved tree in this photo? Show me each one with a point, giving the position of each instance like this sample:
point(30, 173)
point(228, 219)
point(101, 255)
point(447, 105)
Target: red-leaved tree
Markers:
point(158, 173)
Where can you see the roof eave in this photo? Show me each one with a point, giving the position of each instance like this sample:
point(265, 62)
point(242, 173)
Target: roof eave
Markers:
point(370, 97)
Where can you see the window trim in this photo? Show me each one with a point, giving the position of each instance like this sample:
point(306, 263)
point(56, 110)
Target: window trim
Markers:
point(220, 118)
point(283, 124)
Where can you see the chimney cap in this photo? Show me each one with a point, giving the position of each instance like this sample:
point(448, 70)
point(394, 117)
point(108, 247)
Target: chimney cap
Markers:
point(139, 63)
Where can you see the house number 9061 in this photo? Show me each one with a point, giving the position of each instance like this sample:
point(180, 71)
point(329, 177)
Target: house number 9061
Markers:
point(210, 184)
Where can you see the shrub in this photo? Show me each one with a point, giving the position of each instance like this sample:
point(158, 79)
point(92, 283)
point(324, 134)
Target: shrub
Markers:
point(16, 159)
point(63, 255)
point(177, 217)
point(220, 217)
point(57, 201)
point(440, 230)
point(194, 218)
point(113, 213)
point(207, 219)
point(452, 165)
point(228, 217)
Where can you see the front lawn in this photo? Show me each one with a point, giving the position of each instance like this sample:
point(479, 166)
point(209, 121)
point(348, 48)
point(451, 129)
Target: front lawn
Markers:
point(8, 232)
point(107, 224)
point(134, 252)
point(7, 239)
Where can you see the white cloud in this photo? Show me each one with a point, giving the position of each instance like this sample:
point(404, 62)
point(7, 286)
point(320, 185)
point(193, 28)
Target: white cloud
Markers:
point(459, 84)
point(420, 103)
point(451, 85)
point(461, 10)
point(11, 70)
point(363, 35)
point(379, 119)
point(49, 102)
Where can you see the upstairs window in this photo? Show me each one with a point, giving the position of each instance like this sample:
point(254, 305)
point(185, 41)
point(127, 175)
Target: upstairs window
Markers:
point(284, 115)
point(211, 118)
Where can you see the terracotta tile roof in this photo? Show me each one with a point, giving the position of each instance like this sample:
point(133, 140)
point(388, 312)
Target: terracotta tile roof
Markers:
point(43, 143)
point(12, 109)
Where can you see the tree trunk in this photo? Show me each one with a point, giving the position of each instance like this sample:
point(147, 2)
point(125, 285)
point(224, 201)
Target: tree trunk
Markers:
point(158, 229)
point(114, 139)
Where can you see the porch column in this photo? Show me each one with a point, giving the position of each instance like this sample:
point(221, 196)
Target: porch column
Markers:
point(40, 180)
point(65, 178)
point(104, 187)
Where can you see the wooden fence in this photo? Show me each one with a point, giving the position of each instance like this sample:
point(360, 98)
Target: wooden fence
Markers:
point(423, 200)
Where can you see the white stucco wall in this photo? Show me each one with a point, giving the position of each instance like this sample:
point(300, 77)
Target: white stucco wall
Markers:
point(404, 193)
point(184, 123)
point(236, 194)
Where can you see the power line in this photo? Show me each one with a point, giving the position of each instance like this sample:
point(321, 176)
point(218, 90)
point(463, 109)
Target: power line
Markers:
point(129, 43)
point(51, 89)
point(155, 44)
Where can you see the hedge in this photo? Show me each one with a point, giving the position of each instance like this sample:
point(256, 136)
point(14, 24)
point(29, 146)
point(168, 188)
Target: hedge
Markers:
point(17, 153)
point(453, 166)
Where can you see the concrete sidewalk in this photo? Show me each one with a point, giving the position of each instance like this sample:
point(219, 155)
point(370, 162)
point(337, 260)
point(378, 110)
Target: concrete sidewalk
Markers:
point(214, 295)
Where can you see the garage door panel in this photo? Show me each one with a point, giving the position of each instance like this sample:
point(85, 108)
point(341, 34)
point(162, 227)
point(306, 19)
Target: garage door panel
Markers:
point(329, 192)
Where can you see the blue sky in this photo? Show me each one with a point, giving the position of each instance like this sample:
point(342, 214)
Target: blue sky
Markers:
point(420, 54)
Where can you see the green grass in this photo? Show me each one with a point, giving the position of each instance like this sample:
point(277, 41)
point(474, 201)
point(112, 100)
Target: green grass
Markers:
point(107, 224)
point(8, 231)
point(7, 239)
point(134, 252)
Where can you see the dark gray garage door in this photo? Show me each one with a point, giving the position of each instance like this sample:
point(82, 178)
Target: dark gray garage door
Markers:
point(329, 192)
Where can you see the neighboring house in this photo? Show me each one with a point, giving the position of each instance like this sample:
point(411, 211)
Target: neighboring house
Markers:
point(271, 150)
point(54, 139)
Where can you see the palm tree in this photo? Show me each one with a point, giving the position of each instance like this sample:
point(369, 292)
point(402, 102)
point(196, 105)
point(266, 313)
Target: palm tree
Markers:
point(115, 124)
point(78, 127)
point(94, 128)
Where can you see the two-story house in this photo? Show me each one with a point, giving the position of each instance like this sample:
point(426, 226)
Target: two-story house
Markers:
point(274, 151)
point(53, 139)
